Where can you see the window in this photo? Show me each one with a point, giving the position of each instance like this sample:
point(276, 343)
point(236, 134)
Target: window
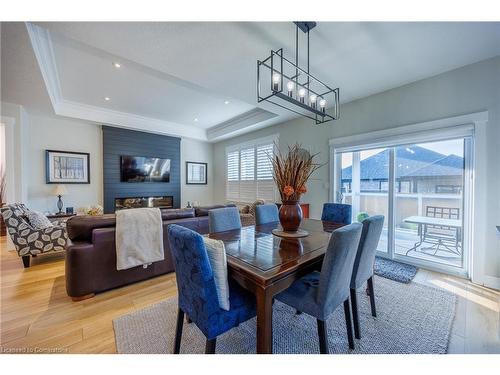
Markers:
point(249, 171)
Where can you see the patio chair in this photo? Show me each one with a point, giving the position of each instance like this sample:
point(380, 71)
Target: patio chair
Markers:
point(442, 237)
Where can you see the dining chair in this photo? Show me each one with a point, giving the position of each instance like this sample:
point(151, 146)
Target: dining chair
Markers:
point(320, 293)
point(337, 212)
point(223, 219)
point(266, 213)
point(363, 265)
point(197, 291)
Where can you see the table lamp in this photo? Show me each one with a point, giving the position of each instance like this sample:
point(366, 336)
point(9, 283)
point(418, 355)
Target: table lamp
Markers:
point(59, 191)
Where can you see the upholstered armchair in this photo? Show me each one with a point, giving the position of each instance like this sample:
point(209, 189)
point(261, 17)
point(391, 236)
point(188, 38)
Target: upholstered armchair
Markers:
point(27, 240)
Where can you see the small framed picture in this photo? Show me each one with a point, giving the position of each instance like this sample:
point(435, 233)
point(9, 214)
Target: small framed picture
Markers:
point(196, 173)
point(66, 167)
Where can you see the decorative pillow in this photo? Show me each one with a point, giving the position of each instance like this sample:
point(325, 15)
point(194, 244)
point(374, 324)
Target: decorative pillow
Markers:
point(38, 220)
point(254, 204)
point(218, 260)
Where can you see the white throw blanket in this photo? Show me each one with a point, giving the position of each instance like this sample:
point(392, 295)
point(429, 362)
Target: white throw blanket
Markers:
point(139, 237)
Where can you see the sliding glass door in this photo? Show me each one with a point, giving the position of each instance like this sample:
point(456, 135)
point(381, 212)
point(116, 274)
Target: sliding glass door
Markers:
point(421, 189)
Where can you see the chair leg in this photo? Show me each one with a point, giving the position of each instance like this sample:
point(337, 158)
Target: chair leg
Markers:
point(178, 331)
point(26, 261)
point(210, 346)
point(348, 323)
point(355, 317)
point(372, 296)
point(323, 341)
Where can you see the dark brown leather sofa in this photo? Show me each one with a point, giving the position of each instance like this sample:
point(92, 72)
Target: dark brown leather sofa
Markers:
point(91, 252)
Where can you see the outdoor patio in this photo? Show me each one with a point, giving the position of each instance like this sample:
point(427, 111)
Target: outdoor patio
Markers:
point(406, 239)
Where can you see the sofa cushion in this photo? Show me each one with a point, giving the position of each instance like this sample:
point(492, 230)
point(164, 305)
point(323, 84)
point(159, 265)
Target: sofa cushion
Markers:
point(218, 261)
point(176, 213)
point(38, 220)
point(203, 210)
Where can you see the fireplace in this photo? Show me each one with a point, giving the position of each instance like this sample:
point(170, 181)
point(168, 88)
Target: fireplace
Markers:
point(138, 202)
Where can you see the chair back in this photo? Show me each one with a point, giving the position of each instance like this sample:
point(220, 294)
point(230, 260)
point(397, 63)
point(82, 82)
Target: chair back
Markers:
point(224, 219)
point(337, 267)
point(337, 212)
point(195, 280)
point(365, 256)
point(266, 213)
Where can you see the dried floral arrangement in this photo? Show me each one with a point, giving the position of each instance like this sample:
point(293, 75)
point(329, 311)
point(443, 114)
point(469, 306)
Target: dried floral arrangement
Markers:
point(291, 171)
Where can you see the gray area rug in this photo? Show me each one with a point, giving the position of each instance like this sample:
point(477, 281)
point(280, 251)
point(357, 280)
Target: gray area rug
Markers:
point(390, 269)
point(412, 318)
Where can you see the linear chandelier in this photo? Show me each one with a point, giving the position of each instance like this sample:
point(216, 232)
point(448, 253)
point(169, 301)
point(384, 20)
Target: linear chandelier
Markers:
point(305, 94)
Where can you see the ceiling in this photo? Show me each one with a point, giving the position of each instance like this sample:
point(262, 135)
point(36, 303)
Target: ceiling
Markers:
point(198, 79)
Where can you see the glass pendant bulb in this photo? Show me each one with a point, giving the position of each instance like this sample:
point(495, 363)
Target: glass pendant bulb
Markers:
point(312, 100)
point(290, 86)
point(276, 81)
point(302, 94)
point(322, 104)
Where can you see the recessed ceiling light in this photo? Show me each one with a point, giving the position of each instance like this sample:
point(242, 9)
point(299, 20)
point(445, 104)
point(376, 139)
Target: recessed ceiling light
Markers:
point(196, 120)
point(107, 98)
point(226, 102)
point(117, 65)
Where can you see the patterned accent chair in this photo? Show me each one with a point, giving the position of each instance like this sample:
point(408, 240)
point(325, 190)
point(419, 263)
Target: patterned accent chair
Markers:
point(363, 265)
point(197, 291)
point(224, 219)
point(337, 212)
point(266, 213)
point(27, 240)
point(320, 293)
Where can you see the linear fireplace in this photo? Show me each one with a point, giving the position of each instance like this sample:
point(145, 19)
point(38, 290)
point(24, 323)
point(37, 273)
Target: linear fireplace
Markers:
point(138, 202)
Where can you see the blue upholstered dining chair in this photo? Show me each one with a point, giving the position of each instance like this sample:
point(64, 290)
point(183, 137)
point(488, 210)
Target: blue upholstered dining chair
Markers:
point(197, 291)
point(320, 293)
point(337, 212)
point(223, 219)
point(266, 213)
point(363, 265)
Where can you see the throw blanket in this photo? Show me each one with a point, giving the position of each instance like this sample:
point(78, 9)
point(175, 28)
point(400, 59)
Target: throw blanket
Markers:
point(139, 237)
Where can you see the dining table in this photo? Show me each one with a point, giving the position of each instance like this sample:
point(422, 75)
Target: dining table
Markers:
point(266, 264)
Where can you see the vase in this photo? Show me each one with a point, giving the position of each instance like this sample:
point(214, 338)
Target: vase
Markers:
point(290, 215)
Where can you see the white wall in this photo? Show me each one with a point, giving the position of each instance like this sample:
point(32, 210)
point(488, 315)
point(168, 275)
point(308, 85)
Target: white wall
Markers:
point(60, 133)
point(41, 132)
point(197, 151)
point(469, 89)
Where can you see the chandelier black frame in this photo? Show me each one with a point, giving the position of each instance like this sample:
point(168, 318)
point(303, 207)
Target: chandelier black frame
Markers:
point(304, 90)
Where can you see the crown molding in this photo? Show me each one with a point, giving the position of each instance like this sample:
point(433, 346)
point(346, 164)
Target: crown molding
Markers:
point(44, 52)
point(237, 124)
point(128, 120)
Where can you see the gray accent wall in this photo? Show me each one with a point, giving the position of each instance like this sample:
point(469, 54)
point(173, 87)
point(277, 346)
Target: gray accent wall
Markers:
point(117, 142)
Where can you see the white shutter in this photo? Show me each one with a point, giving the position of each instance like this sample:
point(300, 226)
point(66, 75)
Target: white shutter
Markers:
point(249, 171)
point(233, 176)
point(265, 182)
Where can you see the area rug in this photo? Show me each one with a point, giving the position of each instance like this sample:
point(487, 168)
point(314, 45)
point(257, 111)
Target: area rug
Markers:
point(411, 318)
point(390, 269)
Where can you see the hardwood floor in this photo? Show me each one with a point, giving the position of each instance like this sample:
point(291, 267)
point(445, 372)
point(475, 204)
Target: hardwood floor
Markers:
point(38, 316)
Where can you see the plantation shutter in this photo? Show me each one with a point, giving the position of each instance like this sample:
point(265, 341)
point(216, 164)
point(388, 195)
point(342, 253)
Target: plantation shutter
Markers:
point(233, 176)
point(265, 182)
point(249, 171)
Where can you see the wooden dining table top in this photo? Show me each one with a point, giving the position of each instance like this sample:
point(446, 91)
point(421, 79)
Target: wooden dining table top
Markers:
point(255, 251)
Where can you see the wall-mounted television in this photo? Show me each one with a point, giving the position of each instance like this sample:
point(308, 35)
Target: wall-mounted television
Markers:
point(144, 169)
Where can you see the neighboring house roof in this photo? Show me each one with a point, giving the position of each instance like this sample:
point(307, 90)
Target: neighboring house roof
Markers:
point(412, 161)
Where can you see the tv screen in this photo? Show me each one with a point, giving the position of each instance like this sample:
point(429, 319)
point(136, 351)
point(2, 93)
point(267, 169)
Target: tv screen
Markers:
point(144, 169)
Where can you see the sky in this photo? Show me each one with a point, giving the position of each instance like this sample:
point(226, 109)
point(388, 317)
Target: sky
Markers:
point(454, 146)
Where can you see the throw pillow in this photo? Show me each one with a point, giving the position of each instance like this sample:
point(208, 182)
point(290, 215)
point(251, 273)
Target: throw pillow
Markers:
point(218, 260)
point(254, 204)
point(38, 220)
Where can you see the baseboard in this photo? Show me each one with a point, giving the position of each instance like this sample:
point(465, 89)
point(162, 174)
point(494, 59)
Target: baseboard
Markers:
point(491, 282)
